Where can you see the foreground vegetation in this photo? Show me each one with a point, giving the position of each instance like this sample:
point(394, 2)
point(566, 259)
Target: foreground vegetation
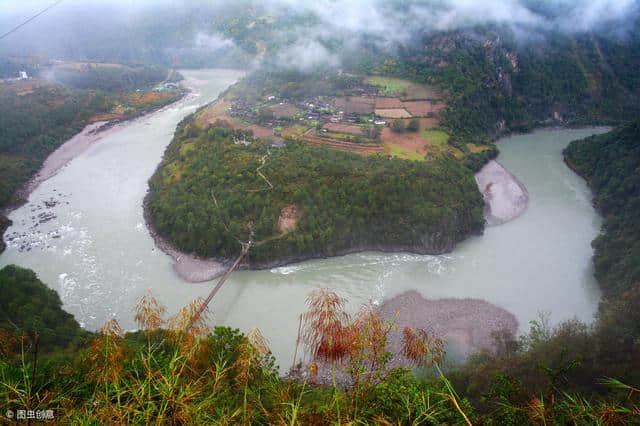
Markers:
point(218, 187)
point(179, 371)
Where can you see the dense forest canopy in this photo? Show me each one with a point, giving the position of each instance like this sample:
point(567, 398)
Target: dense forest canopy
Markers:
point(109, 77)
point(496, 83)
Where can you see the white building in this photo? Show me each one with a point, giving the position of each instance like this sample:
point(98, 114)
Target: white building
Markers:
point(23, 75)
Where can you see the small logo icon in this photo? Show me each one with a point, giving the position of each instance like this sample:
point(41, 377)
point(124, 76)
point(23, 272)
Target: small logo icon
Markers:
point(9, 414)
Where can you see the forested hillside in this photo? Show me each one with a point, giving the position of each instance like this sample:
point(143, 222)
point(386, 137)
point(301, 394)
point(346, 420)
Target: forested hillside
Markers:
point(497, 83)
point(109, 77)
point(217, 186)
point(611, 165)
point(26, 304)
point(33, 123)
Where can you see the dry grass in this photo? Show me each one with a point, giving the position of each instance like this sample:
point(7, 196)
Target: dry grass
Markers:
point(421, 348)
point(326, 330)
point(107, 354)
point(149, 313)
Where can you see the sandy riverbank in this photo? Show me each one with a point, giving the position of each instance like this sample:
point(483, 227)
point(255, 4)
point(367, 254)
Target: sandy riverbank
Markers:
point(77, 145)
point(505, 197)
point(65, 153)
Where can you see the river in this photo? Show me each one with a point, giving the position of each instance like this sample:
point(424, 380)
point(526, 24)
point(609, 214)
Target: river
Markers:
point(95, 250)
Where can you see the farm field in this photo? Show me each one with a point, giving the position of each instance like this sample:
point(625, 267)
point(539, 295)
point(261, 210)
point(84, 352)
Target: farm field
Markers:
point(284, 110)
point(393, 113)
point(357, 119)
point(344, 128)
point(436, 137)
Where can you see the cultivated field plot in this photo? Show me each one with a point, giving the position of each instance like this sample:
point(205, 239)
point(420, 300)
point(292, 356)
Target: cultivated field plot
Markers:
point(407, 90)
point(295, 131)
point(407, 146)
point(435, 137)
point(423, 108)
point(213, 112)
point(420, 146)
point(389, 86)
point(393, 113)
point(355, 105)
point(422, 92)
point(351, 129)
point(388, 103)
point(427, 123)
point(261, 132)
point(284, 111)
point(356, 148)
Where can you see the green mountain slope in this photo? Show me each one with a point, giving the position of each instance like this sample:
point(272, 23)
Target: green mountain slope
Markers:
point(611, 165)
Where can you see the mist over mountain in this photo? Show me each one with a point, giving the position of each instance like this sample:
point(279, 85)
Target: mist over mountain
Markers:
point(306, 34)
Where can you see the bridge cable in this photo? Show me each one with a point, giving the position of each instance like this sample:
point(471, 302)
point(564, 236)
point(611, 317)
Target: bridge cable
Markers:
point(46, 9)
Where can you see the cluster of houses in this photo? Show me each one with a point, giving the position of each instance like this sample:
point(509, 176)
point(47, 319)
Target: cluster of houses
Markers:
point(278, 112)
point(166, 87)
point(22, 75)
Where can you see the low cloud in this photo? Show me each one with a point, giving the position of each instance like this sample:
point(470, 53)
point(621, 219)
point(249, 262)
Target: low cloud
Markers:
point(88, 28)
point(308, 55)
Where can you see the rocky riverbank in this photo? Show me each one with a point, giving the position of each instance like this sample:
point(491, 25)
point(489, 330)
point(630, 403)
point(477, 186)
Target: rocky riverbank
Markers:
point(467, 324)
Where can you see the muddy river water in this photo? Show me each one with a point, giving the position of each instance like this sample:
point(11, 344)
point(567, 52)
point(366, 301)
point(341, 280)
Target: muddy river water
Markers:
point(92, 246)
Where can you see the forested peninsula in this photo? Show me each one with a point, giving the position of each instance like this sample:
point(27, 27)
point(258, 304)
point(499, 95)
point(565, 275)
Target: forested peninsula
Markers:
point(218, 186)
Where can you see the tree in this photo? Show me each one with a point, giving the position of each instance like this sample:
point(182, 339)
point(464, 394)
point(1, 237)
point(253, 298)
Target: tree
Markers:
point(414, 125)
point(398, 126)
